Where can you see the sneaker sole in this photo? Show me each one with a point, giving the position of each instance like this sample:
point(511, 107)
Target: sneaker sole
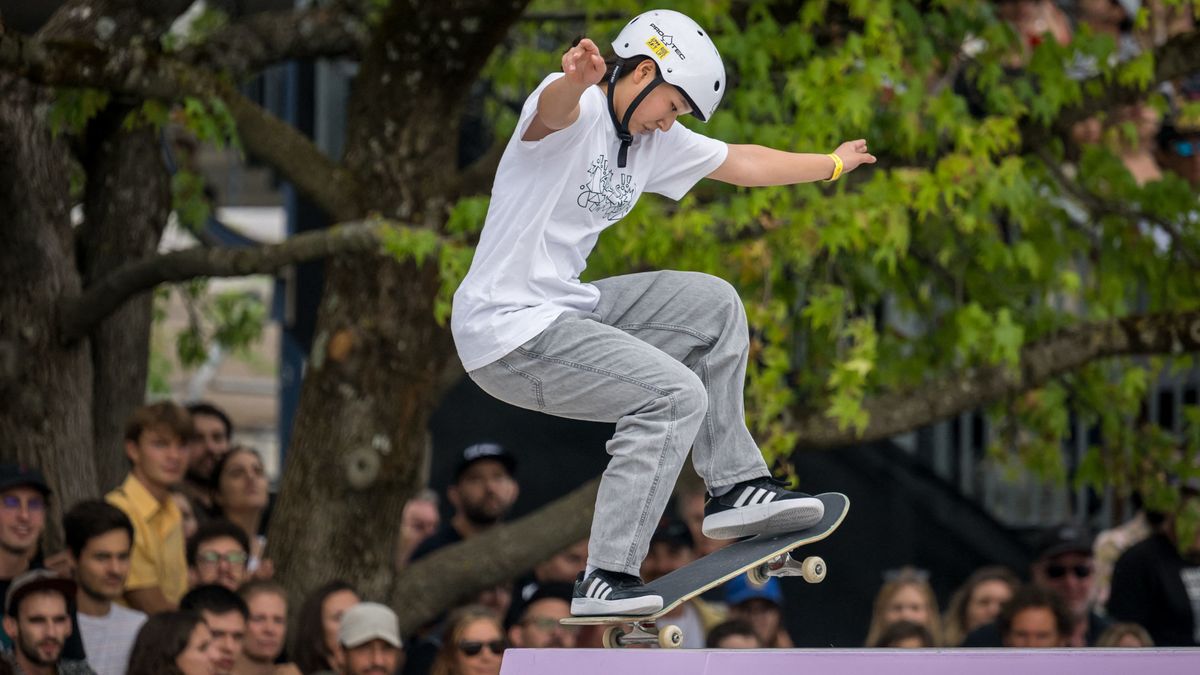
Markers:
point(640, 606)
point(791, 515)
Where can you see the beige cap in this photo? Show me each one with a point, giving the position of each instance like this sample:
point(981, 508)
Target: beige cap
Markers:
point(368, 621)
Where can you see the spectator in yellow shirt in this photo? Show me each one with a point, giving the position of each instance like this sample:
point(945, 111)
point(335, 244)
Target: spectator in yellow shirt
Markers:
point(156, 444)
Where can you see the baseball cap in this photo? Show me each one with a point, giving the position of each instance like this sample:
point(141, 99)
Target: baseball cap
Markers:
point(368, 621)
point(32, 582)
point(17, 475)
point(739, 590)
point(478, 451)
point(1063, 539)
point(674, 533)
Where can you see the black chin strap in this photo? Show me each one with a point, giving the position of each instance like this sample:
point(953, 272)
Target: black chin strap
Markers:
point(623, 125)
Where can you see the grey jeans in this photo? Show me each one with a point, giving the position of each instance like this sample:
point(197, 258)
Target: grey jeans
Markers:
point(663, 356)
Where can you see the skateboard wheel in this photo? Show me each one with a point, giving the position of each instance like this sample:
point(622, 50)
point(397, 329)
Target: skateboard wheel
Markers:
point(813, 570)
point(757, 576)
point(670, 637)
point(612, 637)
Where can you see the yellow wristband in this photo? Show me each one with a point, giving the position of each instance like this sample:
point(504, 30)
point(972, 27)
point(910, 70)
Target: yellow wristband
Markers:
point(837, 167)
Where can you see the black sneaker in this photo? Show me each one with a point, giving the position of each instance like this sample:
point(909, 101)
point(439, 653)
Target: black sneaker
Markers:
point(759, 506)
point(604, 593)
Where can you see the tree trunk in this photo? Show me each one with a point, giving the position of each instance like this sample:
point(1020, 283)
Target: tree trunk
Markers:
point(125, 209)
point(360, 429)
point(45, 417)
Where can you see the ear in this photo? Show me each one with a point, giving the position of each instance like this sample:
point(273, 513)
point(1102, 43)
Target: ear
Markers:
point(644, 71)
point(131, 451)
point(514, 636)
point(193, 578)
point(452, 496)
point(10, 627)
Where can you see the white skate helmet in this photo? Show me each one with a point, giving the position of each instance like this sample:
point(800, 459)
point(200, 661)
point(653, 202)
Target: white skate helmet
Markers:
point(685, 57)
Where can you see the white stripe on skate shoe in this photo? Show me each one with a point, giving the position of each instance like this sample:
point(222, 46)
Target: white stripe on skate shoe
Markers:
point(743, 497)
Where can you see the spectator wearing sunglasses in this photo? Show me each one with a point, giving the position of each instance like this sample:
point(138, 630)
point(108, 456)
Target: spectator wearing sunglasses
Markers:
point(217, 554)
point(369, 640)
point(472, 643)
point(1063, 566)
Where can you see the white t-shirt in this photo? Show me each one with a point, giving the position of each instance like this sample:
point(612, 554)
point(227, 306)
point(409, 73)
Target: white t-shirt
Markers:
point(108, 640)
point(550, 201)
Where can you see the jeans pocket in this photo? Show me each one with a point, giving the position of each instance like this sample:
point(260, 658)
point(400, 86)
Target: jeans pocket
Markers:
point(510, 384)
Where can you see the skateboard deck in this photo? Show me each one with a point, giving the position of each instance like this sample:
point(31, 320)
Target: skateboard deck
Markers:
point(722, 565)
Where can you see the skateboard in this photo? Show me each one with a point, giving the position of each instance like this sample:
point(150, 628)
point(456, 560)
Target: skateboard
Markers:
point(761, 557)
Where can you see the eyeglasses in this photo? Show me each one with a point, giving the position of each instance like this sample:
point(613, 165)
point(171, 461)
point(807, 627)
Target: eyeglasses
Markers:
point(473, 648)
point(234, 558)
point(1060, 571)
point(14, 503)
point(548, 624)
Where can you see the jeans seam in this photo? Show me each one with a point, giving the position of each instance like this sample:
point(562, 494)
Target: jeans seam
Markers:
point(593, 369)
point(676, 328)
point(533, 380)
point(707, 422)
point(666, 446)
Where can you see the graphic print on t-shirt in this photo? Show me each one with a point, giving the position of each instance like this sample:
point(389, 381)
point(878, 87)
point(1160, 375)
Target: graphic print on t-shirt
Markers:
point(599, 195)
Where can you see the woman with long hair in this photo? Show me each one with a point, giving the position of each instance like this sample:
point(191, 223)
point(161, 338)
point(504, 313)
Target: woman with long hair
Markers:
point(472, 643)
point(173, 643)
point(241, 494)
point(316, 638)
point(977, 602)
point(905, 597)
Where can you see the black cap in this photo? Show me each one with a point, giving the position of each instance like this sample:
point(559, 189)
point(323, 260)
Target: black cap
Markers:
point(34, 581)
point(1063, 539)
point(494, 451)
point(18, 475)
point(673, 533)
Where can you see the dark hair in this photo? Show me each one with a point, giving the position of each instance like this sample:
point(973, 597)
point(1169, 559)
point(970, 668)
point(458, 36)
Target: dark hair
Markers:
point(456, 624)
point(903, 630)
point(90, 519)
point(206, 408)
point(729, 629)
point(162, 415)
point(308, 644)
point(160, 641)
point(1036, 597)
point(214, 599)
point(215, 529)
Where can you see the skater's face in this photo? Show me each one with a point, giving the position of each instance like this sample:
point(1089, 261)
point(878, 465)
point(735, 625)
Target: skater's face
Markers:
point(1034, 627)
point(907, 604)
point(658, 111)
point(986, 600)
point(484, 492)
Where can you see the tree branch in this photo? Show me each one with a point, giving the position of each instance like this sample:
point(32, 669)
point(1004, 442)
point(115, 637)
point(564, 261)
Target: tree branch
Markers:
point(78, 315)
point(1176, 58)
point(259, 40)
point(144, 74)
point(1041, 361)
point(498, 555)
point(1099, 206)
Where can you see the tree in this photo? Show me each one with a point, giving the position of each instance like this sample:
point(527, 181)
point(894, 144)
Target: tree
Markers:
point(949, 277)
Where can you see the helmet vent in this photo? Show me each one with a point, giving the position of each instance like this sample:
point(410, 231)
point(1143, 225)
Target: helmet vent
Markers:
point(717, 85)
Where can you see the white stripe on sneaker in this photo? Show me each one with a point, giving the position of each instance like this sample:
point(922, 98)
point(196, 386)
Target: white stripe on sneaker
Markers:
point(607, 592)
point(761, 497)
point(604, 590)
point(770, 498)
point(592, 587)
point(741, 501)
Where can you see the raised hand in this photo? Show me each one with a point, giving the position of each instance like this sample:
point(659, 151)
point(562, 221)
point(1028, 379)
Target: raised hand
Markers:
point(854, 154)
point(583, 64)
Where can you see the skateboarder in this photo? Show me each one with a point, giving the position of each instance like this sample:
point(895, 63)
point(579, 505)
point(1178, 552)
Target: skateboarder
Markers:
point(661, 354)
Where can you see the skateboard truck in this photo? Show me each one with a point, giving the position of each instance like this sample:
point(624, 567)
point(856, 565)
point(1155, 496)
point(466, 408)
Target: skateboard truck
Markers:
point(812, 569)
point(643, 633)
